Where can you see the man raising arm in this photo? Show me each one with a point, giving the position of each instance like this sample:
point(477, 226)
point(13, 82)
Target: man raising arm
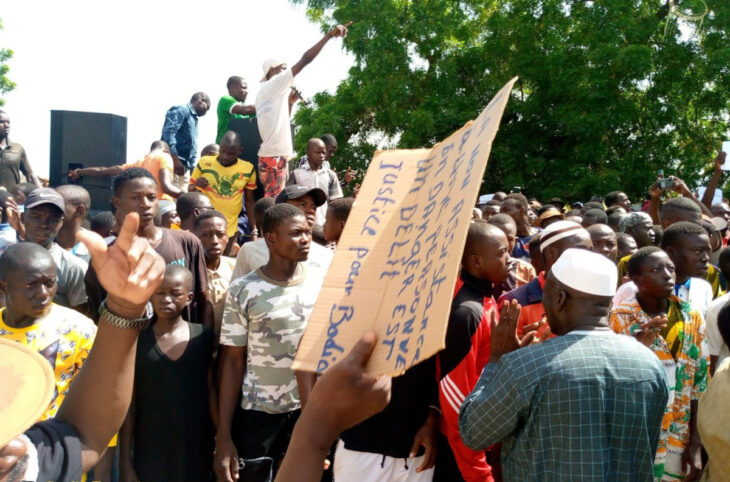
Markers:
point(96, 404)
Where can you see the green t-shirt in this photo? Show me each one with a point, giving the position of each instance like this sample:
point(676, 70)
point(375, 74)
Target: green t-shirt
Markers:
point(224, 115)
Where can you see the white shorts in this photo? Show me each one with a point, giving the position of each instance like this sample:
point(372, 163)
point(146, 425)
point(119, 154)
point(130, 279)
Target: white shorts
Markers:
point(354, 466)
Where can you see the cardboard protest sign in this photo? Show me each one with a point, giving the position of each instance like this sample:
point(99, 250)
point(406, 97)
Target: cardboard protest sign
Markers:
point(397, 261)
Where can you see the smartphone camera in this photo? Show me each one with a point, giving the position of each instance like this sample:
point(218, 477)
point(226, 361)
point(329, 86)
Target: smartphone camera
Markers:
point(665, 183)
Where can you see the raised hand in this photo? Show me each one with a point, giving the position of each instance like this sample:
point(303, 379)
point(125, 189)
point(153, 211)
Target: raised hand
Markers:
point(345, 395)
point(340, 30)
point(504, 334)
point(73, 174)
point(720, 160)
point(349, 176)
point(650, 331)
point(130, 270)
point(201, 183)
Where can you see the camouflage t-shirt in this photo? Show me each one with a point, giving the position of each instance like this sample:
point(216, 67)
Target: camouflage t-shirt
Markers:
point(268, 317)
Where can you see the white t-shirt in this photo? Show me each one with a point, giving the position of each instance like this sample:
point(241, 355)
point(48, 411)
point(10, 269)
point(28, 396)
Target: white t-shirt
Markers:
point(255, 254)
point(699, 294)
point(714, 340)
point(272, 115)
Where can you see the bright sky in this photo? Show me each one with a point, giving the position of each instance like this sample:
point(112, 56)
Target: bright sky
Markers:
point(138, 58)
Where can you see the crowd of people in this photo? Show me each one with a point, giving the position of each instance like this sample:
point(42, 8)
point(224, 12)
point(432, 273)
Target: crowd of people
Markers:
point(586, 340)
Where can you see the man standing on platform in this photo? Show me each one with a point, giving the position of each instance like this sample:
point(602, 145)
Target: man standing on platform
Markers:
point(180, 131)
point(273, 111)
point(232, 106)
point(13, 159)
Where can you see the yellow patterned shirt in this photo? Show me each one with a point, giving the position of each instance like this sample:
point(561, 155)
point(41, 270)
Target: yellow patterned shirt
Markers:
point(63, 337)
point(682, 350)
point(225, 186)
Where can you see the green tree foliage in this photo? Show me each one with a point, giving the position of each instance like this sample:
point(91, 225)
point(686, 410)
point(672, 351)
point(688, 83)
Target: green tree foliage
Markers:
point(6, 85)
point(604, 99)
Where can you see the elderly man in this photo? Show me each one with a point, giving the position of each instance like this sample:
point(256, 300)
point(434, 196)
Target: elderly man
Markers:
point(273, 110)
point(586, 405)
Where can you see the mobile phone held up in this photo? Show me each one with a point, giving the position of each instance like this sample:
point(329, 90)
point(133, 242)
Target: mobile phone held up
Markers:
point(663, 182)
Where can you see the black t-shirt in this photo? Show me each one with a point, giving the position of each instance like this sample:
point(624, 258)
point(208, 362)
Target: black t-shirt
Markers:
point(173, 432)
point(58, 450)
point(176, 247)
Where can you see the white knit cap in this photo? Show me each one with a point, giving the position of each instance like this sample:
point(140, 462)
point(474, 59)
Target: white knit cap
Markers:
point(557, 231)
point(586, 272)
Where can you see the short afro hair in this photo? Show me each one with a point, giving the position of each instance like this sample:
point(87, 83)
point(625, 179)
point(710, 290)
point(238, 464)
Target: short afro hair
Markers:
point(261, 206)
point(130, 175)
point(636, 261)
point(520, 198)
point(590, 205)
point(187, 202)
point(679, 230)
point(680, 204)
point(595, 216)
point(277, 214)
point(612, 198)
point(102, 221)
point(340, 208)
point(207, 214)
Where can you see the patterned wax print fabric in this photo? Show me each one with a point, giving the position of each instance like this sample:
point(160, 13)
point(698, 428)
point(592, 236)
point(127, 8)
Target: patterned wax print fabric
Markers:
point(273, 173)
point(225, 186)
point(268, 317)
point(682, 350)
point(63, 337)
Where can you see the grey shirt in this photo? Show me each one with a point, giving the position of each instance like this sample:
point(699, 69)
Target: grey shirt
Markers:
point(70, 271)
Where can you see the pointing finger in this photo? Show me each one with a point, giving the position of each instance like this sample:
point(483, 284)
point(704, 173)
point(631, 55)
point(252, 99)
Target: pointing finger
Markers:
point(128, 231)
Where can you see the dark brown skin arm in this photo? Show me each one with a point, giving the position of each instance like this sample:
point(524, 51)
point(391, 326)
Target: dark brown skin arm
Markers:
point(167, 186)
point(244, 109)
point(126, 435)
point(311, 54)
point(714, 180)
point(205, 304)
point(305, 383)
point(99, 398)
point(232, 366)
point(95, 172)
point(250, 204)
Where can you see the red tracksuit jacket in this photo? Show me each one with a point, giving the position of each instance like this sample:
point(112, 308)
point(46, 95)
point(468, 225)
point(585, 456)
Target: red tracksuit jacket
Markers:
point(459, 365)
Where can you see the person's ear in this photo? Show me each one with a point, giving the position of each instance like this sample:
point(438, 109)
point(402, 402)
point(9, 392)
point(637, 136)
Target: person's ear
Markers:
point(81, 211)
point(561, 299)
point(269, 238)
point(548, 256)
point(190, 296)
point(115, 203)
point(342, 225)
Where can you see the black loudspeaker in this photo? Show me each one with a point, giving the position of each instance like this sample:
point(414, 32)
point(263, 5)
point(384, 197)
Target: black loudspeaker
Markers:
point(248, 130)
point(87, 139)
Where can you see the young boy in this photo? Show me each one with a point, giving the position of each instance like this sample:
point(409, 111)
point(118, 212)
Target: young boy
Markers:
point(61, 335)
point(227, 181)
point(168, 433)
point(211, 228)
point(337, 214)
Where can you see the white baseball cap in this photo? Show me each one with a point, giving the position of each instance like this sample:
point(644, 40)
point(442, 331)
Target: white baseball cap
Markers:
point(270, 64)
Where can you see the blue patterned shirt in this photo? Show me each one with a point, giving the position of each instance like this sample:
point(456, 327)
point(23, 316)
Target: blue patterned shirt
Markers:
point(584, 406)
